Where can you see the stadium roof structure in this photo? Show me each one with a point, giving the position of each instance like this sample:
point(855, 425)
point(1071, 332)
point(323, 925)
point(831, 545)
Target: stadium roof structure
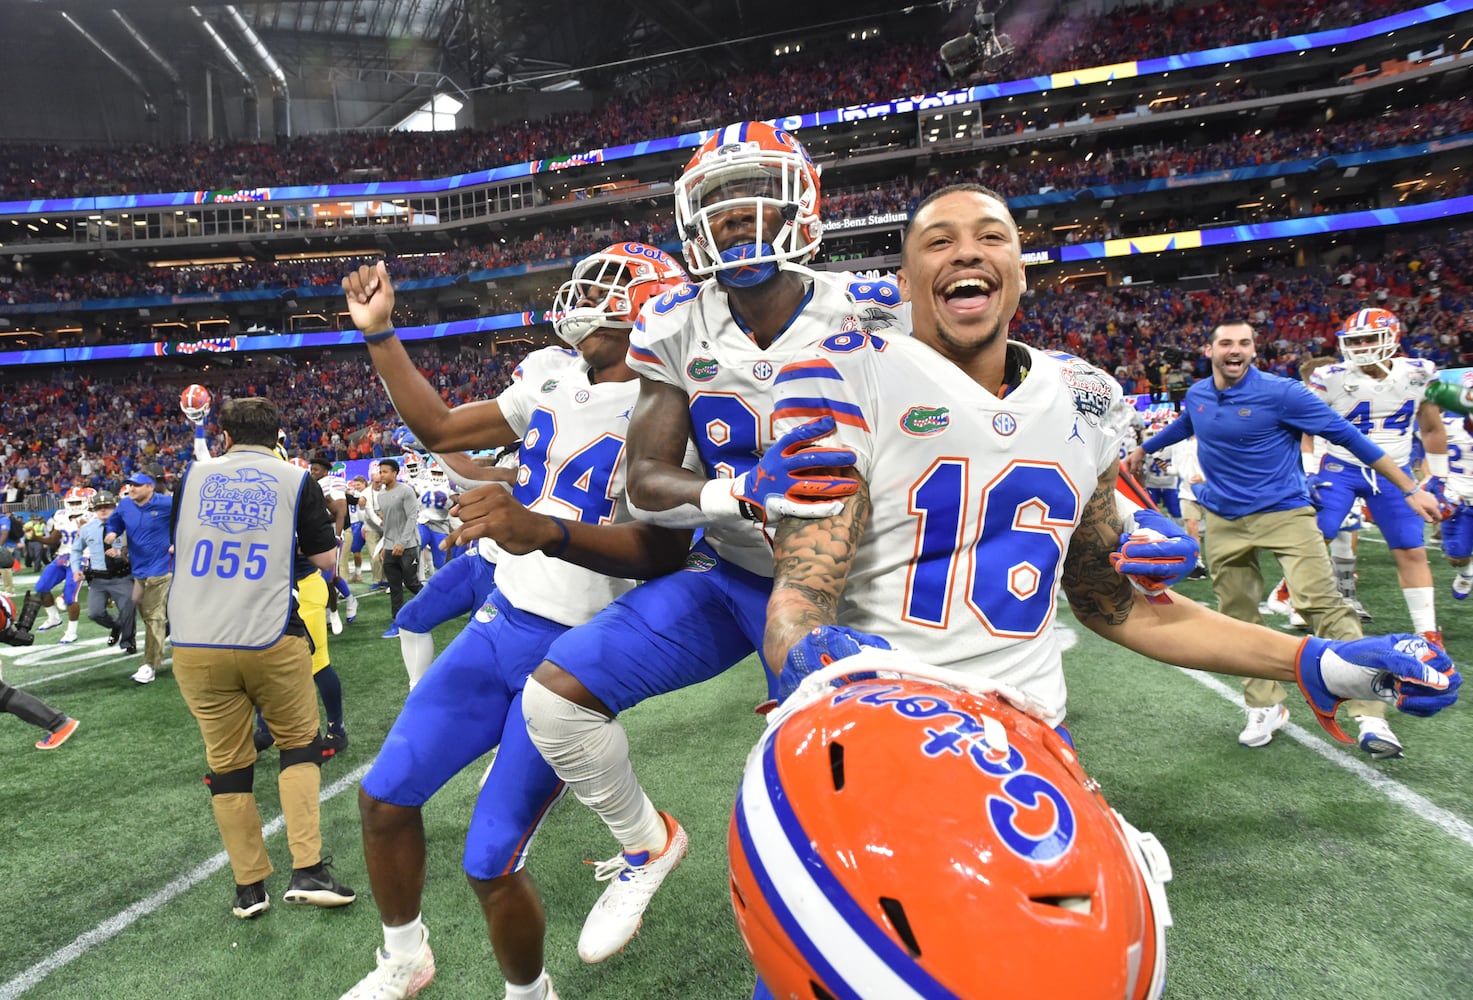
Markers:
point(521, 44)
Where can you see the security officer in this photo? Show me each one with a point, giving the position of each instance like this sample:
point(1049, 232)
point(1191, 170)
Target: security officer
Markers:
point(107, 576)
point(245, 526)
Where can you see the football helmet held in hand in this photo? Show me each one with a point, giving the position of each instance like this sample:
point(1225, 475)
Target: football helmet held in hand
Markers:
point(912, 837)
point(195, 402)
point(609, 288)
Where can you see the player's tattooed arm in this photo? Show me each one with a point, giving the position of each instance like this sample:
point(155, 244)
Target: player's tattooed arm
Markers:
point(811, 562)
point(1099, 596)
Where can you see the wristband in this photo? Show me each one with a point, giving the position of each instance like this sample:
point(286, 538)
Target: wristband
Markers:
point(563, 547)
point(378, 338)
point(1311, 462)
point(1407, 493)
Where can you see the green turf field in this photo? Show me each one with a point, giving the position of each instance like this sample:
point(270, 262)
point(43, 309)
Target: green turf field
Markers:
point(1301, 870)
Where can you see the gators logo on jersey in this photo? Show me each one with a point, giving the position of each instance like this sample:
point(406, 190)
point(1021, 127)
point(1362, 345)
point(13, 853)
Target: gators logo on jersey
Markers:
point(699, 562)
point(701, 369)
point(549, 385)
point(923, 421)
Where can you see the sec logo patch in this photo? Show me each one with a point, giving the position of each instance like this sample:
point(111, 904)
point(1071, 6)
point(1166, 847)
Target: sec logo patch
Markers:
point(1005, 424)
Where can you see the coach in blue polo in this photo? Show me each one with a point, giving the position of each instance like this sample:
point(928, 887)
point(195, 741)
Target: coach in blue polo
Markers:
point(144, 517)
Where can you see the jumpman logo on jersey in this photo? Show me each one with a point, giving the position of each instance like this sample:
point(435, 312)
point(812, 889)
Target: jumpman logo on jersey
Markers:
point(1075, 435)
point(626, 413)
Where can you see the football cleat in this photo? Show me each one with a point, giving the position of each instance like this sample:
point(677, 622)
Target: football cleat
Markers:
point(334, 623)
point(609, 288)
point(1377, 739)
point(633, 879)
point(58, 736)
point(394, 978)
point(1434, 637)
point(1263, 722)
point(144, 674)
point(350, 610)
point(1462, 587)
point(839, 890)
point(1278, 602)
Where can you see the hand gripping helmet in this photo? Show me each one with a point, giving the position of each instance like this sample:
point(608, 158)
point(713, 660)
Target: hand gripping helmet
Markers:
point(195, 402)
point(914, 834)
point(609, 288)
point(748, 167)
point(78, 500)
point(1370, 337)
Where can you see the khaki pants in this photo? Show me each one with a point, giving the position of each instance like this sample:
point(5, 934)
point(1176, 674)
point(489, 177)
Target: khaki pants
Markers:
point(371, 539)
point(1232, 558)
point(222, 687)
point(151, 593)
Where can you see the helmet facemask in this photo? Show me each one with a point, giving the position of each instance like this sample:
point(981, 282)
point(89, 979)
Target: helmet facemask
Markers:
point(596, 296)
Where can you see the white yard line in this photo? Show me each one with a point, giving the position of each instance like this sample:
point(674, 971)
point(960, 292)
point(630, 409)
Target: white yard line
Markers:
point(124, 919)
point(1343, 757)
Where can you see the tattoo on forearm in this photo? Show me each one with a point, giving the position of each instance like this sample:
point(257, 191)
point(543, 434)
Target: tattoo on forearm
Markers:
point(812, 562)
point(1098, 594)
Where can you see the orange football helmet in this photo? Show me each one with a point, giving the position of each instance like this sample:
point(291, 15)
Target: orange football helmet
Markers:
point(916, 835)
point(748, 167)
point(615, 283)
point(195, 402)
point(78, 500)
point(1370, 337)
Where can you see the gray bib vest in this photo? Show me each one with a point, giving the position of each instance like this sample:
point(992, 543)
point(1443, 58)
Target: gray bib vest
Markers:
point(233, 551)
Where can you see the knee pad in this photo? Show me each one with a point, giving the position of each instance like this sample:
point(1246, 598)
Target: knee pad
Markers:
point(567, 735)
point(241, 782)
point(309, 754)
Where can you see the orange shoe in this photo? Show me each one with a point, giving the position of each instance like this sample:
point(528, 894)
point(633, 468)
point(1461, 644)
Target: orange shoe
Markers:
point(60, 736)
point(1434, 637)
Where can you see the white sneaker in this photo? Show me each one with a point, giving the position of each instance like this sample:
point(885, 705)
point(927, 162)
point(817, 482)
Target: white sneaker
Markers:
point(1278, 600)
point(67, 639)
point(1262, 724)
point(1296, 620)
point(350, 610)
point(334, 623)
point(393, 979)
point(1462, 587)
point(144, 674)
point(1377, 739)
point(548, 992)
point(616, 917)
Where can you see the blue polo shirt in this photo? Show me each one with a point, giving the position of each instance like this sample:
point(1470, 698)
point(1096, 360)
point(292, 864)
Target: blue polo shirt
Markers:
point(147, 528)
point(1248, 441)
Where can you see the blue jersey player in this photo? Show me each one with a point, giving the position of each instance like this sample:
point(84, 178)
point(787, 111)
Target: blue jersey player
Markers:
point(560, 528)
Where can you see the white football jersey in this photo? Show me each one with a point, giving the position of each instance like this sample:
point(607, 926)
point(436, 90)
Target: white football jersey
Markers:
point(1384, 409)
point(68, 527)
point(689, 338)
point(974, 499)
point(1159, 472)
point(1459, 456)
point(434, 508)
point(1184, 461)
point(571, 465)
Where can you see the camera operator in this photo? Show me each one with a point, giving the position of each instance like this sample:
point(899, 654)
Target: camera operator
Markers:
point(15, 630)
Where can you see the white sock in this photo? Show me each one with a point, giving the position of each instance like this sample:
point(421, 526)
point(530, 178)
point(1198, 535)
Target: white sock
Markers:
point(591, 754)
point(71, 628)
point(406, 938)
point(418, 650)
point(1419, 603)
point(535, 990)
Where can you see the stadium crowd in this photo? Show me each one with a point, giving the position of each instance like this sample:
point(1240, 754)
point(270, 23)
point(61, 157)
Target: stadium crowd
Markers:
point(73, 428)
point(818, 81)
point(1252, 148)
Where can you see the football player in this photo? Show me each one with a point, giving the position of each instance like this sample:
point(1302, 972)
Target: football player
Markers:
point(974, 503)
point(435, 521)
point(1457, 525)
point(561, 528)
point(1384, 395)
point(357, 487)
point(76, 510)
point(747, 209)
